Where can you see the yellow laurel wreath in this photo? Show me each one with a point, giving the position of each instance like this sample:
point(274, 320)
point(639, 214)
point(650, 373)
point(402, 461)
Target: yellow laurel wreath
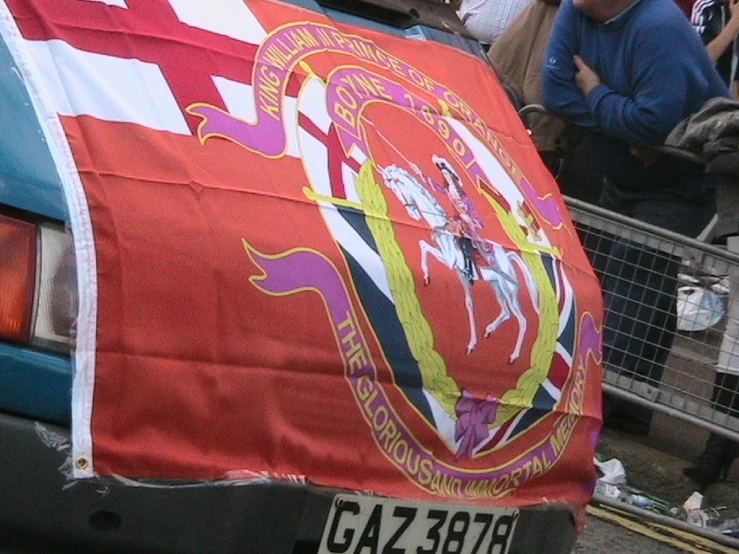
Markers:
point(542, 353)
point(400, 278)
point(418, 332)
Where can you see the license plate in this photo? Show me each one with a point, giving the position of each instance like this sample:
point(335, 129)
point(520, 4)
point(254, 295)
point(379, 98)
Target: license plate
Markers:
point(365, 524)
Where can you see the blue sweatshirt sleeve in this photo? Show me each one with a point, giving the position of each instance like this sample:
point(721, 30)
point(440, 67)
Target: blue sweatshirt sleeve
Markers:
point(665, 71)
point(560, 95)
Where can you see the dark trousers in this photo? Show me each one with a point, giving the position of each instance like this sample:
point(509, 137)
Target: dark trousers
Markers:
point(639, 291)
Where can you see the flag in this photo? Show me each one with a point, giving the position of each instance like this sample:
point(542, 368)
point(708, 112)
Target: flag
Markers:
point(310, 249)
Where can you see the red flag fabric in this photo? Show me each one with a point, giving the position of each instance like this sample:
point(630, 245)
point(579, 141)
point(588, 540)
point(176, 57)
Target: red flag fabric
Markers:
point(314, 250)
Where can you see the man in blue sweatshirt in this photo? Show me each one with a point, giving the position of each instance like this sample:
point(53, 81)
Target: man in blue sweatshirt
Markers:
point(629, 71)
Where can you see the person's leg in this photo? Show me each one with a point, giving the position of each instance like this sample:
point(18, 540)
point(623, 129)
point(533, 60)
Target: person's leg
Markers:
point(639, 287)
point(612, 259)
point(726, 386)
point(633, 294)
point(726, 397)
point(659, 313)
point(626, 293)
point(728, 358)
point(685, 218)
point(720, 452)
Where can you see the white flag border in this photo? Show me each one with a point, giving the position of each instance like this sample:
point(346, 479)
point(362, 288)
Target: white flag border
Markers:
point(84, 246)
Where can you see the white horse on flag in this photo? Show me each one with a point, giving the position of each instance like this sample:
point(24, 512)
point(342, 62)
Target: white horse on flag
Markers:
point(499, 270)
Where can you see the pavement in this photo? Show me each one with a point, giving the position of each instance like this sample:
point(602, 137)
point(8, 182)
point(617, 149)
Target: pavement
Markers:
point(612, 531)
point(654, 464)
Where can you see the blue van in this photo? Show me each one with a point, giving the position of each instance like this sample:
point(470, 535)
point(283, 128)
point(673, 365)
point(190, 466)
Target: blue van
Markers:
point(44, 509)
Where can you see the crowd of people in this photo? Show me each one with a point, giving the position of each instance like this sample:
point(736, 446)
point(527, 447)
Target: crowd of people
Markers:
point(621, 75)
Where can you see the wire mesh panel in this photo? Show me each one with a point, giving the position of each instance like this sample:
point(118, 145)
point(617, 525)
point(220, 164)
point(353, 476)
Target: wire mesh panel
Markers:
point(666, 299)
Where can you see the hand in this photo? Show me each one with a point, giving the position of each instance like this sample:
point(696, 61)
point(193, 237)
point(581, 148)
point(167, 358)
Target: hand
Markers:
point(646, 155)
point(734, 9)
point(585, 78)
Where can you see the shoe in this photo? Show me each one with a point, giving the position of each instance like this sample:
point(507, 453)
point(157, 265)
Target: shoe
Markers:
point(714, 463)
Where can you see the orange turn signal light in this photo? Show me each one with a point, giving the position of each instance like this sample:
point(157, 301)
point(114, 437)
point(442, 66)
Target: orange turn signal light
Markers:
point(17, 277)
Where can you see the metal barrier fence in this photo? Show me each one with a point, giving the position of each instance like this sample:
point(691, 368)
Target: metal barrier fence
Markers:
point(673, 367)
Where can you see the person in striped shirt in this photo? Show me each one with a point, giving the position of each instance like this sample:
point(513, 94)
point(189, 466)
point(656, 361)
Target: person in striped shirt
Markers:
point(487, 19)
point(717, 23)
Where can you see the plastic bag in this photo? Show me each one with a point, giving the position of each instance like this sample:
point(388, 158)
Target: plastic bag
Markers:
point(698, 309)
point(613, 471)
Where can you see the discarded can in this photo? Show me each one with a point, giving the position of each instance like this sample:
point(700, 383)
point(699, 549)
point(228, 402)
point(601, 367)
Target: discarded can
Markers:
point(640, 501)
point(698, 517)
point(729, 527)
point(608, 490)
